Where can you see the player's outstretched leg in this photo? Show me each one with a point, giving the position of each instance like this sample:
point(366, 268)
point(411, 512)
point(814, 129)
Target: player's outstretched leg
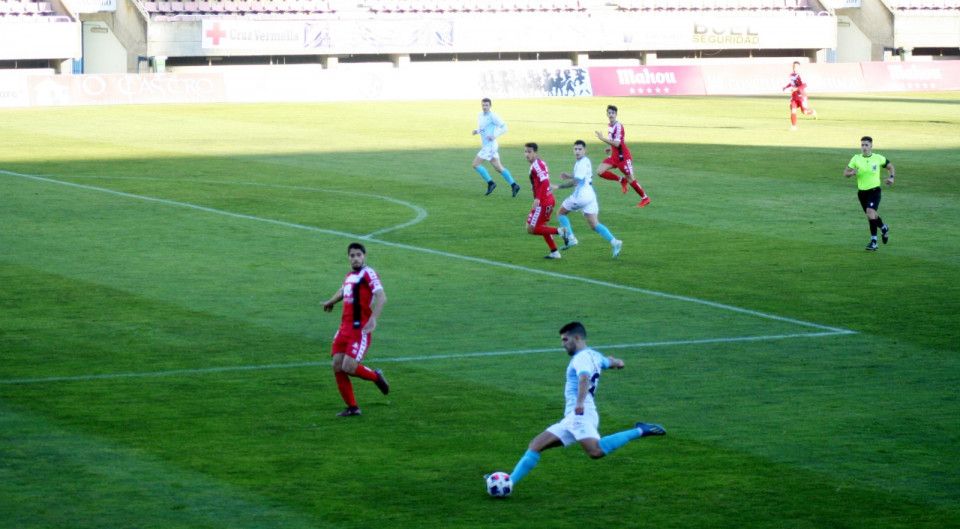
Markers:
point(524, 466)
point(614, 441)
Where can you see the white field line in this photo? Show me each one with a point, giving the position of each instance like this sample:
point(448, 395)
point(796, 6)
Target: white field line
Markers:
point(420, 358)
point(479, 260)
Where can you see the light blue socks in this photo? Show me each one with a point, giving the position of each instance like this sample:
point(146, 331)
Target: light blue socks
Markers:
point(524, 466)
point(604, 232)
point(483, 173)
point(613, 441)
point(507, 176)
point(565, 222)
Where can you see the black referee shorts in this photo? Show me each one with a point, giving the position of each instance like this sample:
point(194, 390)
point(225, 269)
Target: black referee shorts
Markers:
point(869, 198)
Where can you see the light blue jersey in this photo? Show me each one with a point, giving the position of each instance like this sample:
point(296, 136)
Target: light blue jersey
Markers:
point(583, 176)
point(586, 362)
point(490, 125)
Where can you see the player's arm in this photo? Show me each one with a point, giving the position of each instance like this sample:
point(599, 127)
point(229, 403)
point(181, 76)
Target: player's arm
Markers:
point(890, 172)
point(849, 171)
point(330, 303)
point(614, 363)
point(499, 127)
point(568, 181)
point(376, 307)
point(583, 387)
point(603, 138)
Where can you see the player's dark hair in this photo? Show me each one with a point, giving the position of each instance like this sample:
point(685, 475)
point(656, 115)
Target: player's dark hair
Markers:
point(867, 138)
point(532, 146)
point(797, 63)
point(356, 246)
point(486, 100)
point(574, 328)
point(580, 143)
point(613, 108)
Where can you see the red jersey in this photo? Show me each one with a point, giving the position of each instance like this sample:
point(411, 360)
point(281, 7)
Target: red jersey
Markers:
point(615, 133)
point(540, 180)
point(796, 83)
point(358, 289)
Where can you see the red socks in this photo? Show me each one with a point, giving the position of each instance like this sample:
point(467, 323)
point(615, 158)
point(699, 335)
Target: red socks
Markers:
point(636, 187)
point(365, 373)
point(346, 388)
point(552, 245)
point(793, 119)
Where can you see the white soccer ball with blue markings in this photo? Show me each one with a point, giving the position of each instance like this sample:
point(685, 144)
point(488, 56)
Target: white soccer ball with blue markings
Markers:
point(499, 485)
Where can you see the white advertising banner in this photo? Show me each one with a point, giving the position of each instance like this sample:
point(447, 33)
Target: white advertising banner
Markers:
point(322, 36)
point(516, 34)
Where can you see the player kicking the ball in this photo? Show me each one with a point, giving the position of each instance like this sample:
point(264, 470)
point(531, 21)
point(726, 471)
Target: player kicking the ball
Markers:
point(581, 420)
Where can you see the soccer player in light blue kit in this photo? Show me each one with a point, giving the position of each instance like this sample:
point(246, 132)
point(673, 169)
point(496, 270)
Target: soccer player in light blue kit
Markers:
point(580, 421)
point(490, 127)
point(584, 199)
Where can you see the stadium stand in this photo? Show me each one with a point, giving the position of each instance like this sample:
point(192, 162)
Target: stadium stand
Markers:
point(166, 11)
point(924, 5)
point(796, 6)
point(29, 9)
point(476, 6)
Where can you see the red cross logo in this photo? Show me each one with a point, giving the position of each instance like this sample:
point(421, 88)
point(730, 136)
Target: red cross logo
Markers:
point(216, 33)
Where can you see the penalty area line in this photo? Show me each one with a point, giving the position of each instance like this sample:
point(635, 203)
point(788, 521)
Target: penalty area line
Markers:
point(420, 358)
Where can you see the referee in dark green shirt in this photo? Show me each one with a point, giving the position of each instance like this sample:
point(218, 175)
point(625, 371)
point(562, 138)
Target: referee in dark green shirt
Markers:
point(866, 166)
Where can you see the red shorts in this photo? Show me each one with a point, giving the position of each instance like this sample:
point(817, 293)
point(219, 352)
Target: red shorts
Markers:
point(540, 215)
point(625, 166)
point(351, 342)
point(798, 99)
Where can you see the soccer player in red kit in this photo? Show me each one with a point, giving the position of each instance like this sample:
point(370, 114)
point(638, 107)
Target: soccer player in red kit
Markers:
point(798, 96)
point(363, 300)
point(620, 157)
point(543, 200)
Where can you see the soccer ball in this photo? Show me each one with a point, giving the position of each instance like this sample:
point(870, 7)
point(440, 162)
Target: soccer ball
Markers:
point(499, 484)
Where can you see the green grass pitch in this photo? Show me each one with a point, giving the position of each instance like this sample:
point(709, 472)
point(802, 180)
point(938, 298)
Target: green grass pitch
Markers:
point(164, 355)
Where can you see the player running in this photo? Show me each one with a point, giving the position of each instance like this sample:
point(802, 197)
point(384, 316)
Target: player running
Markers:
point(490, 127)
point(363, 300)
point(798, 96)
point(620, 157)
point(581, 421)
point(543, 200)
point(584, 199)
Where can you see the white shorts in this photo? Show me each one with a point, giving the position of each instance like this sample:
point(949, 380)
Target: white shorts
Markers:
point(489, 152)
point(575, 427)
point(588, 205)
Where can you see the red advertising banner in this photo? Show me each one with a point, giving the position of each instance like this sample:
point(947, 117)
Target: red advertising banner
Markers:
point(647, 81)
point(911, 76)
